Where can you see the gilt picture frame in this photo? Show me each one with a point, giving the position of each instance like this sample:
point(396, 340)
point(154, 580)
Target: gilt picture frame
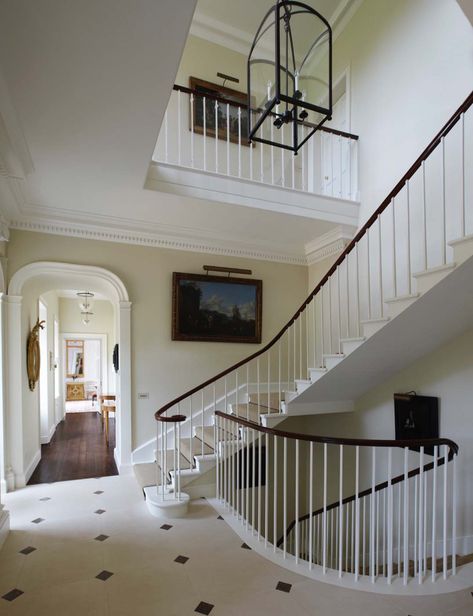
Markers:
point(216, 308)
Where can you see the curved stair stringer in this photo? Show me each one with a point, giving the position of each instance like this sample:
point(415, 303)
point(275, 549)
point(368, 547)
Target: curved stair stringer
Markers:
point(413, 328)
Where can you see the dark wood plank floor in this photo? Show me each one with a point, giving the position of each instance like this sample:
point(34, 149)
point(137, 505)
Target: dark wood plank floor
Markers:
point(78, 450)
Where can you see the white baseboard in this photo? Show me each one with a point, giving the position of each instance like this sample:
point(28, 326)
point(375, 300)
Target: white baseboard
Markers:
point(32, 465)
point(123, 469)
point(46, 439)
point(4, 526)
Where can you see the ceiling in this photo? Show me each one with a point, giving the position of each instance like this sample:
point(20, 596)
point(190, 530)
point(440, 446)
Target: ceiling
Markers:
point(83, 89)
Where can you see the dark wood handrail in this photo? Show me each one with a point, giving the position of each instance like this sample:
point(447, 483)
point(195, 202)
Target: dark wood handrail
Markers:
point(225, 101)
point(335, 440)
point(380, 486)
point(395, 191)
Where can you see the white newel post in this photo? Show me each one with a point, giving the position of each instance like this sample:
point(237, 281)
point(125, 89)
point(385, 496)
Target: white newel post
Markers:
point(14, 471)
point(123, 440)
point(4, 515)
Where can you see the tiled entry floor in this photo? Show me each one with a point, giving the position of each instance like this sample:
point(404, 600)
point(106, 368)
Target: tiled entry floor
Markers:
point(90, 547)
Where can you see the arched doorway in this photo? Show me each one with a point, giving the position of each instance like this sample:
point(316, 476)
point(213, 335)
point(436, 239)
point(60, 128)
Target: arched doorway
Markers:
point(31, 281)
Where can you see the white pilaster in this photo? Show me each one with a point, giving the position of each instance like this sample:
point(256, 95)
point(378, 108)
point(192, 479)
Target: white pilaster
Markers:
point(14, 391)
point(123, 421)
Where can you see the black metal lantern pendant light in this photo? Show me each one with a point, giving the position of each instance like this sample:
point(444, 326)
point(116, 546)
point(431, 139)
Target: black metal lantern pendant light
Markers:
point(290, 76)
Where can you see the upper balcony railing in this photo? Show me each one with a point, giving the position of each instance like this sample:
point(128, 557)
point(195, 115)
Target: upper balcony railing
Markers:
point(326, 165)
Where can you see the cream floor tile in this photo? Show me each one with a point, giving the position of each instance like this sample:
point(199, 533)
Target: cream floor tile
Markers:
point(59, 577)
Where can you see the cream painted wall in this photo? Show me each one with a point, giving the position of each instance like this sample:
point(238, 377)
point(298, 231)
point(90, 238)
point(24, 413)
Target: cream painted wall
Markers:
point(161, 367)
point(103, 322)
point(411, 67)
point(317, 270)
point(50, 299)
point(204, 59)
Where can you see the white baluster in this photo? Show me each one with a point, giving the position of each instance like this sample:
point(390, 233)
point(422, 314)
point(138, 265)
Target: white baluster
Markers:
point(421, 513)
point(368, 277)
point(424, 215)
point(239, 142)
point(372, 516)
point(463, 184)
point(408, 239)
point(454, 506)
point(340, 514)
point(357, 512)
point(275, 494)
point(204, 121)
point(324, 548)
point(228, 139)
point(357, 287)
point(216, 136)
point(311, 500)
point(339, 313)
point(394, 248)
point(192, 130)
point(166, 143)
point(179, 132)
point(434, 514)
point(380, 277)
point(406, 515)
point(297, 529)
point(266, 489)
point(259, 489)
point(445, 513)
point(285, 497)
point(444, 207)
point(390, 516)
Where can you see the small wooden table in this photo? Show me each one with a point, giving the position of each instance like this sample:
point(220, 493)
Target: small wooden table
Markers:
point(107, 405)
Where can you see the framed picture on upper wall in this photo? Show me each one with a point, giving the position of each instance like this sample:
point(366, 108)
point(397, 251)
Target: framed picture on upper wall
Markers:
point(216, 308)
point(228, 107)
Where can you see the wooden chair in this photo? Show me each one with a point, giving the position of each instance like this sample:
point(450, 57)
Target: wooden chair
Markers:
point(107, 406)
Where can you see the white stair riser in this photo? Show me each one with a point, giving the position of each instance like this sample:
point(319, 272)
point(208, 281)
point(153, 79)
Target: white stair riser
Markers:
point(462, 249)
point(331, 362)
point(426, 280)
point(348, 346)
point(370, 329)
point(394, 307)
point(316, 373)
point(302, 386)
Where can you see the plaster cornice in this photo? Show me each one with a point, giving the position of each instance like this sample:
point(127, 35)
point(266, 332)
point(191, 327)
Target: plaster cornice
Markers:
point(157, 240)
point(328, 244)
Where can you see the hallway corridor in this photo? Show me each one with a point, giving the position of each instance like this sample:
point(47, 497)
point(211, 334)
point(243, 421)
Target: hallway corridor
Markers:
point(78, 450)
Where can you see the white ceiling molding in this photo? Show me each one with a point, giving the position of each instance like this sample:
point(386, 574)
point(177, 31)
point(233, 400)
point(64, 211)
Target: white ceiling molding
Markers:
point(329, 244)
point(221, 33)
point(141, 238)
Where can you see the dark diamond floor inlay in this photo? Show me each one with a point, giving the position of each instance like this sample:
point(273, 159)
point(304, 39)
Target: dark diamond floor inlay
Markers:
point(27, 550)
point(100, 511)
point(12, 594)
point(219, 517)
point(284, 587)
point(101, 537)
point(104, 575)
point(245, 546)
point(46, 498)
point(98, 492)
point(204, 608)
point(166, 526)
point(37, 520)
point(181, 559)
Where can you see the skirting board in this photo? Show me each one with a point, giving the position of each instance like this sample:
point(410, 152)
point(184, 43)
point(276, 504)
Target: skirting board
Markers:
point(47, 439)
point(4, 526)
point(29, 470)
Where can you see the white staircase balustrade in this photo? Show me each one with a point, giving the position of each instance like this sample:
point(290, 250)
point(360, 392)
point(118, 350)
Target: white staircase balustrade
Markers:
point(420, 237)
point(326, 165)
point(372, 510)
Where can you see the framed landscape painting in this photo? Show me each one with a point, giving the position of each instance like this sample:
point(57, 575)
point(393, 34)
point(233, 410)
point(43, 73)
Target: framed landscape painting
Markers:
point(231, 101)
point(216, 308)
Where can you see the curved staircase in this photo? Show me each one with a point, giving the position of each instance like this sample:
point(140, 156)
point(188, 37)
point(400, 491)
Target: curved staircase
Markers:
point(402, 286)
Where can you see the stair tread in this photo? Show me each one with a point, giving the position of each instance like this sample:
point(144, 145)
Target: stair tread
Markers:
point(272, 402)
point(196, 448)
point(146, 472)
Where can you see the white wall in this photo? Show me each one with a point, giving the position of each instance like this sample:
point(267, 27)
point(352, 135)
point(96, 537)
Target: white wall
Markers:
point(102, 322)
point(161, 367)
point(411, 67)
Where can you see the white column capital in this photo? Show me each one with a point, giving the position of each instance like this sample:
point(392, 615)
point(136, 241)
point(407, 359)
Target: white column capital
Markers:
point(124, 305)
